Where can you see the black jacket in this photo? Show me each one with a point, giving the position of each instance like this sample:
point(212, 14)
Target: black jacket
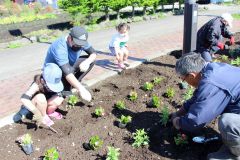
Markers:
point(210, 34)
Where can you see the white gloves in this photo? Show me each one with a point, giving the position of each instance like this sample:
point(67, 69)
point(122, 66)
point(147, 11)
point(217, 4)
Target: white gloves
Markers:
point(84, 93)
point(84, 66)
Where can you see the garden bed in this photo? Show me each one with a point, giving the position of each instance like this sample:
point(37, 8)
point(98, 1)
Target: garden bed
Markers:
point(79, 125)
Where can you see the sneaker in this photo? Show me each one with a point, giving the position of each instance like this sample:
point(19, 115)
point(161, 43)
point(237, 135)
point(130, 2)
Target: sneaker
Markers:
point(121, 66)
point(55, 115)
point(47, 121)
point(222, 154)
point(21, 114)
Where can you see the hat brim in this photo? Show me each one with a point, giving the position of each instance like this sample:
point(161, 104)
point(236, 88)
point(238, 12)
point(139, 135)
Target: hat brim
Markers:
point(80, 42)
point(56, 87)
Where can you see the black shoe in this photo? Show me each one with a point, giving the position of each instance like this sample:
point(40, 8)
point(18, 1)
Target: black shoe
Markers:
point(23, 112)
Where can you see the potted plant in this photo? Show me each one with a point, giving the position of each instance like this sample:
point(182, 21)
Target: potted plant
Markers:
point(123, 121)
point(113, 153)
point(51, 154)
point(27, 143)
point(95, 143)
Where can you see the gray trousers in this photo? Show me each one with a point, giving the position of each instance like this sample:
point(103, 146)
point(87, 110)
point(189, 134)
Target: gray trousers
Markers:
point(229, 127)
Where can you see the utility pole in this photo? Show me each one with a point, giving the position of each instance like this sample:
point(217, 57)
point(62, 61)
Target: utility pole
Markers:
point(190, 26)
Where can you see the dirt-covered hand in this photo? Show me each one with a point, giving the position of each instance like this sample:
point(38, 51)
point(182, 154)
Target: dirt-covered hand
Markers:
point(37, 116)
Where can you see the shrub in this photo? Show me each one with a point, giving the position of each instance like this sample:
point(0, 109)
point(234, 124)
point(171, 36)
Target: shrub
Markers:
point(26, 139)
point(236, 61)
point(188, 94)
point(72, 101)
point(140, 138)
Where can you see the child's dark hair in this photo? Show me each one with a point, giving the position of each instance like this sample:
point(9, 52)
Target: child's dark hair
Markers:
point(122, 25)
point(37, 79)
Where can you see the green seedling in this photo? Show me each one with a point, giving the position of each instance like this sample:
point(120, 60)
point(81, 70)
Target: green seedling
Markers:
point(157, 80)
point(125, 119)
point(51, 154)
point(26, 139)
point(181, 139)
point(164, 116)
point(99, 112)
point(155, 101)
point(120, 105)
point(148, 86)
point(170, 92)
point(140, 138)
point(188, 94)
point(224, 58)
point(72, 101)
point(113, 153)
point(95, 142)
point(133, 96)
point(236, 62)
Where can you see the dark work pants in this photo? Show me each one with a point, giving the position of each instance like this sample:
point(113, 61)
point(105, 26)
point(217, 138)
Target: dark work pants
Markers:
point(77, 73)
point(229, 127)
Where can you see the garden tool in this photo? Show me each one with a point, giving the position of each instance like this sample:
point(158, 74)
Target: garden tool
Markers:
point(202, 139)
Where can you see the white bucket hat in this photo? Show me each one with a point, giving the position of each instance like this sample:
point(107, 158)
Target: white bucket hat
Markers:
point(228, 17)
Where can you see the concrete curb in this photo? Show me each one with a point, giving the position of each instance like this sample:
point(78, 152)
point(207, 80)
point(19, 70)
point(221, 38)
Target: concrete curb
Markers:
point(9, 119)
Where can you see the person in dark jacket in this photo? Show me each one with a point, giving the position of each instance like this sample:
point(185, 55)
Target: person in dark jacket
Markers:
point(217, 93)
point(209, 36)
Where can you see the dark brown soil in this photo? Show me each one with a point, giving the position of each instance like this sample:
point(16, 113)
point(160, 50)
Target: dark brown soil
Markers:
point(78, 124)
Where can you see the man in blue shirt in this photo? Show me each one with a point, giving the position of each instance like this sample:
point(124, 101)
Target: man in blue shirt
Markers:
point(66, 52)
point(217, 93)
point(209, 36)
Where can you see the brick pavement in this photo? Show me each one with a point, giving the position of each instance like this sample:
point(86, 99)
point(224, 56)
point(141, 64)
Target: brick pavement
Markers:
point(12, 88)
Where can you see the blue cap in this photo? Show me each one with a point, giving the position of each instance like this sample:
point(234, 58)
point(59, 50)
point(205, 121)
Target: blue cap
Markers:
point(52, 75)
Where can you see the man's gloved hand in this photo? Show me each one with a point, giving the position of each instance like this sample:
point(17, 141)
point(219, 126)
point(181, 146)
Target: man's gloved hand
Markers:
point(220, 45)
point(84, 66)
point(84, 93)
point(232, 40)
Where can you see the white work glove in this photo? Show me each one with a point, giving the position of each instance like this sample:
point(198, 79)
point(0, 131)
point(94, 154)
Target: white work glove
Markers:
point(84, 93)
point(84, 66)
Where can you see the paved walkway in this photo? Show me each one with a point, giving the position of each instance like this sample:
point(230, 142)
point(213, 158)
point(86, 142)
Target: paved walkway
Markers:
point(148, 40)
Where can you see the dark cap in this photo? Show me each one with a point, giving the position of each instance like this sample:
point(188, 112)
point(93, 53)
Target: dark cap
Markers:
point(79, 35)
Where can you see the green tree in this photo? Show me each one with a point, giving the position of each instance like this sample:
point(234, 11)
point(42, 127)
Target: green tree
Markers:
point(74, 6)
point(162, 3)
point(180, 3)
point(105, 8)
point(133, 3)
point(147, 3)
point(116, 5)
